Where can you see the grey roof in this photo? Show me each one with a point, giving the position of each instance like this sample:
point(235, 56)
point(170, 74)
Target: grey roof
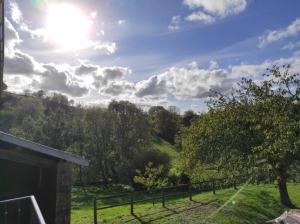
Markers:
point(288, 217)
point(42, 149)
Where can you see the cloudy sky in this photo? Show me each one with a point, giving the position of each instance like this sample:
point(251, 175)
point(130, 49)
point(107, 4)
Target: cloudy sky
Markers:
point(150, 52)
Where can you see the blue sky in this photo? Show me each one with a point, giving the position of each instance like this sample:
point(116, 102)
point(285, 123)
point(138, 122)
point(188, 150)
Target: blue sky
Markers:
point(151, 52)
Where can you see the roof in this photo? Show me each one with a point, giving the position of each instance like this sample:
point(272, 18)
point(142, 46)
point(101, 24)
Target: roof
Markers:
point(291, 217)
point(32, 146)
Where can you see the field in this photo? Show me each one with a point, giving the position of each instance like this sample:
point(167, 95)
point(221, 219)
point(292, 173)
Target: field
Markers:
point(170, 150)
point(253, 204)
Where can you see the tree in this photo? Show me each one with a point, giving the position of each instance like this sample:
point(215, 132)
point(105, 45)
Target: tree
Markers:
point(256, 128)
point(165, 124)
point(27, 122)
point(131, 135)
point(100, 142)
point(117, 139)
point(58, 116)
point(188, 117)
point(152, 178)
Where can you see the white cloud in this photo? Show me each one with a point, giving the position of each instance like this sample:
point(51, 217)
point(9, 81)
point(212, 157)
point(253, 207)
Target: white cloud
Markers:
point(12, 38)
point(93, 83)
point(192, 82)
point(276, 35)
point(249, 70)
point(17, 17)
point(105, 48)
point(210, 10)
point(20, 63)
point(189, 82)
point(200, 17)
point(15, 12)
point(84, 69)
point(175, 23)
point(213, 65)
point(105, 75)
point(153, 87)
point(120, 88)
point(53, 79)
point(291, 46)
point(218, 7)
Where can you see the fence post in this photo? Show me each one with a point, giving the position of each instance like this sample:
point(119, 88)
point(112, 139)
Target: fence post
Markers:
point(95, 211)
point(131, 203)
point(190, 191)
point(214, 190)
point(19, 212)
point(163, 196)
point(234, 185)
point(5, 214)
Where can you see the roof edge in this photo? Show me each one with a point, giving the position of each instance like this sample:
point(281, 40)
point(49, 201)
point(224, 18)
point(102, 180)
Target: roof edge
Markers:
point(46, 150)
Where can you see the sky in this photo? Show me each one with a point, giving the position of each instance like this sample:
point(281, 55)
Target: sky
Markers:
point(150, 52)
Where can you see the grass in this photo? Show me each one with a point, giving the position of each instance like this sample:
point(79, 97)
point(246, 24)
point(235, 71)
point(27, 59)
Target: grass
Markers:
point(254, 204)
point(169, 149)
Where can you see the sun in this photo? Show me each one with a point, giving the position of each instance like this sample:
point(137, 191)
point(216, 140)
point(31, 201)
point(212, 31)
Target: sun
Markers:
point(67, 26)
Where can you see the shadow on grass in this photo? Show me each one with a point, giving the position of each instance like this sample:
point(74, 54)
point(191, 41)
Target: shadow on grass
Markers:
point(83, 198)
point(166, 212)
point(256, 207)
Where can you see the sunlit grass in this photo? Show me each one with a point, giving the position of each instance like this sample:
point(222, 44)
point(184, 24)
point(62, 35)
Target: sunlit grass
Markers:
point(255, 204)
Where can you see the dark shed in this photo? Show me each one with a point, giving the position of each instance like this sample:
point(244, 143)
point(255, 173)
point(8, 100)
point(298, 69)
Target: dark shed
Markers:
point(28, 168)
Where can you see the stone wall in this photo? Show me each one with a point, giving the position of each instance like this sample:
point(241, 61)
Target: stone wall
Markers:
point(63, 193)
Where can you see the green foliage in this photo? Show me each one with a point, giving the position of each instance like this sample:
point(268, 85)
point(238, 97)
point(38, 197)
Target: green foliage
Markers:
point(152, 177)
point(117, 139)
point(253, 130)
point(188, 118)
point(5, 119)
point(165, 124)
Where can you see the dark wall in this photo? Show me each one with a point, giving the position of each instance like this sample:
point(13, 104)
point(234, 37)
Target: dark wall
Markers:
point(17, 180)
point(47, 194)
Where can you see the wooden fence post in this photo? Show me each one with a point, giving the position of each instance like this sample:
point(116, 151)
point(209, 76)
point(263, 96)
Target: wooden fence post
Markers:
point(131, 203)
point(234, 185)
point(190, 192)
point(163, 197)
point(214, 190)
point(95, 211)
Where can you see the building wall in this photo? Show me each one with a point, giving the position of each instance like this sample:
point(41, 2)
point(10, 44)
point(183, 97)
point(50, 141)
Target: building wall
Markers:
point(16, 180)
point(50, 186)
point(46, 193)
point(63, 193)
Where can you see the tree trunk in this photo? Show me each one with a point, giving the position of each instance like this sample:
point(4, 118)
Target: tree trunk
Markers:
point(284, 195)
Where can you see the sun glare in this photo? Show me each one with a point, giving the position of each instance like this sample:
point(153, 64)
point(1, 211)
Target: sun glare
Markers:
point(67, 27)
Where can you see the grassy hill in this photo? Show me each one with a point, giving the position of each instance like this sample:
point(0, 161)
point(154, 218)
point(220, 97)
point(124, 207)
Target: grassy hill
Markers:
point(169, 149)
point(253, 204)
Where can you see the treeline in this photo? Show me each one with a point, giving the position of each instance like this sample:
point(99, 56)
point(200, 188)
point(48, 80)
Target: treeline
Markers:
point(118, 140)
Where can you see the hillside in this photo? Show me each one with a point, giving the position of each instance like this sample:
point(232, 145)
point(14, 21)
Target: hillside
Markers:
point(169, 149)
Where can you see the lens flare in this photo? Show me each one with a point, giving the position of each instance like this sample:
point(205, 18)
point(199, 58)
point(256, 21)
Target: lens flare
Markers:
point(230, 200)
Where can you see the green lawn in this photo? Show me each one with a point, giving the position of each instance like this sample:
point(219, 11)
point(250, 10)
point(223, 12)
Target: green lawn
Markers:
point(254, 204)
point(169, 149)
